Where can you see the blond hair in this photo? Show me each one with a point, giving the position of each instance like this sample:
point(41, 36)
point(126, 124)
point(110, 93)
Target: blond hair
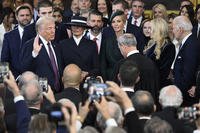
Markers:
point(163, 10)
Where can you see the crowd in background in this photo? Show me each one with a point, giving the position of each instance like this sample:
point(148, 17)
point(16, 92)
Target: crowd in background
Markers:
point(107, 67)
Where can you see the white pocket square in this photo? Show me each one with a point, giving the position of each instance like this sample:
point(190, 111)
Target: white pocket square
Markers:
point(179, 57)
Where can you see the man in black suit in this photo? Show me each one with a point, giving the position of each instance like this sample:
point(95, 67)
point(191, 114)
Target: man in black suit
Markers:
point(170, 99)
point(196, 28)
point(45, 8)
point(40, 55)
point(95, 20)
point(136, 17)
point(12, 40)
point(144, 106)
point(79, 50)
point(128, 77)
point(71, 80)
point(149, 79)
point(187, 60)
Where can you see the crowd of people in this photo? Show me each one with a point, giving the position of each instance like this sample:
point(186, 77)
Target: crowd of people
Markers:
point(99, 66)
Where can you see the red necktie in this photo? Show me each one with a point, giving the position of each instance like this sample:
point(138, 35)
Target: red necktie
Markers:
point(55, 68)
point(95, 40)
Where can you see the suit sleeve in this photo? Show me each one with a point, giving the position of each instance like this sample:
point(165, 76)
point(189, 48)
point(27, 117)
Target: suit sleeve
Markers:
point(23, 116)
point(5, 53)
point(103, 62)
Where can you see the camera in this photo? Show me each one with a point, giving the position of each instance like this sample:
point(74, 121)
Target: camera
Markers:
point(96, 90)
point(89, 81)
point(43, 83)
point(4, 69)
point(188, 113)
point(55, 114)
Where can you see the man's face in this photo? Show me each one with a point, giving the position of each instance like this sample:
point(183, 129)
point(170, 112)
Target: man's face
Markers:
point(74, 6)
point(137, 9)
point(58, 4)
point(47, 31)
point(45, 11)
point(77, 31)
point(198, 15)
point(117, 7)
point(84, 4)
point(176, 31)
point(96, 23)
point(24, 17)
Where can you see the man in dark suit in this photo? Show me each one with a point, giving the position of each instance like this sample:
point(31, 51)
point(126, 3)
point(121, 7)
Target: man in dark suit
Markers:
point(95, 20)
point(136, 16)
point(79, 50)
point(187, 60)
point(128, 77)
point(45, 8)
point(170, 99)
point(41, 56)
point(144, 106)
point(71, 80)
point(196, 28)
point(12, 40)
point(149, 78)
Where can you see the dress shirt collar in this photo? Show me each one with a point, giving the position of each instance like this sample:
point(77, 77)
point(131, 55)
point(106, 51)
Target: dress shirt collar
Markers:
point(129, 89)
point(139, 20)
point(92, 36)
point(132, 52)
point(77, 40)
point(21, 30)
point(184, 39)
point(145, 117)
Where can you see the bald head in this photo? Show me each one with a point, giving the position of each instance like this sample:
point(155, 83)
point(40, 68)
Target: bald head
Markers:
point(71, 76)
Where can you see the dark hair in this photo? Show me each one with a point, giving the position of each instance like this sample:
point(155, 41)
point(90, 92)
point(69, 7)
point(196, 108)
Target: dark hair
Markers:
point(44, 3)
point(7, 11)
point(57, 9)
point(143, 102)
point(108, 5)
point(128, 73)
point(172, 15)
point(95, 12)
point(190, 12)
point(30, 2)
point(187, 1)
point(123, 2)
point(117, 13)
point(22, 8)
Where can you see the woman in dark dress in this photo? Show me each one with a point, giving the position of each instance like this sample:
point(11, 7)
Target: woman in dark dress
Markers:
point(160, 49)
point(110, 53)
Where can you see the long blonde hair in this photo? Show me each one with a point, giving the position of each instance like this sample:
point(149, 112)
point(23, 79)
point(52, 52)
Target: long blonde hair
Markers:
point(158, 36)
point(162, 8)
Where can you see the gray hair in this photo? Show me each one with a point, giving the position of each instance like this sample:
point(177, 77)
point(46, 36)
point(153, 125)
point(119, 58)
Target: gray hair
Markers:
point(114, 130)
point(45, 20)
point(127, 39)
point(170, 96)
point(183, 22)
point(26, 77)
point(32, 92)
point(115, 112)
point(88, 129)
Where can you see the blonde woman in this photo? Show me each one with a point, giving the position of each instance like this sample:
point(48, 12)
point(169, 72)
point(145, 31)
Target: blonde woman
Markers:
point(159, 11)
point(160, 49)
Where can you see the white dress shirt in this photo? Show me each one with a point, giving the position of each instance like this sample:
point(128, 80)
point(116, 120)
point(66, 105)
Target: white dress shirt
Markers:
point(98, 41)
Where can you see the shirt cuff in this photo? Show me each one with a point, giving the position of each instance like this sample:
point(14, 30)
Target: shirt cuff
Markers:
point(18, 98)
point(129, 110)
point(78, 125)
point(111, 123)
point(34, 54)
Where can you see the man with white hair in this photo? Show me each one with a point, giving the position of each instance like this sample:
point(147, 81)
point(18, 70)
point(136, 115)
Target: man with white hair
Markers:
point(170, 99)
point(187, 60)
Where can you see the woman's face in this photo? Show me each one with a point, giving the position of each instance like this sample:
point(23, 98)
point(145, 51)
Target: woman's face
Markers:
point(184, 12)
point(147, 29)
point(6, 3)
point(101, 5)
point(9, 19)
point(118, 23)
point(158, 13)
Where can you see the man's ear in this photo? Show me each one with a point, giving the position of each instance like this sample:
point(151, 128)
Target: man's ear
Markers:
point(118, 77)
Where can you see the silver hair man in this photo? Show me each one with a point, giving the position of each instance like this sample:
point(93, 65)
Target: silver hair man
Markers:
point(170, 96)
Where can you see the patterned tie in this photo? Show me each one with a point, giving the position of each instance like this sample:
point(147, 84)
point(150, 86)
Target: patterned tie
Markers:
point(95, 40)
point(135, 22)
point(55, 69)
